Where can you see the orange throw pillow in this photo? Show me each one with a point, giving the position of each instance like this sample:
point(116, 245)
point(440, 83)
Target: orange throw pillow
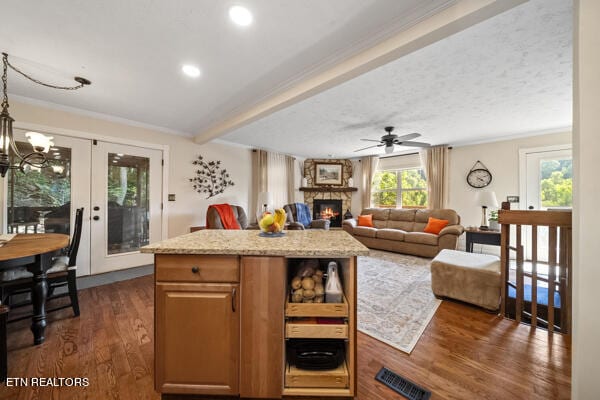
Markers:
point(435, 225)
point(366, 220)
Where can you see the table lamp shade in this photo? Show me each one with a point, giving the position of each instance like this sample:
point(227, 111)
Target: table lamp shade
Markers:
point(487, 198)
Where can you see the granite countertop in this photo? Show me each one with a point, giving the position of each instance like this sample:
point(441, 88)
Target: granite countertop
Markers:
point(316, 243)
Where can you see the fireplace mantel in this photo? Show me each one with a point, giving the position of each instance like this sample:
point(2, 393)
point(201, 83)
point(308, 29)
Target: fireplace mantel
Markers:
point(328, 189)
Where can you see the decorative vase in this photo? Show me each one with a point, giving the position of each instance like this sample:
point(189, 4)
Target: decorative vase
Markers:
point(304, 182)
point(494, 225)
point(350, 182)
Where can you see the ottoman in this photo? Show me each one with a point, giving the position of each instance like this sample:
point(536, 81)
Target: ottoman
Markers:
point(469, 277)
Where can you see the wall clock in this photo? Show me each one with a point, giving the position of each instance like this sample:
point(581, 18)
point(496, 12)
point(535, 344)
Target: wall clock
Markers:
point(479, 176)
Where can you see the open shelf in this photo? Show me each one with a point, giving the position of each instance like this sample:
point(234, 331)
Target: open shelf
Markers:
point(300, 329)
point(301, 378)
point(339, 310)
point(302, 322)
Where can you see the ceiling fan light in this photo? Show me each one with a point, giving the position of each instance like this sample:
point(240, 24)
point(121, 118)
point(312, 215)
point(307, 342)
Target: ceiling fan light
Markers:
point(389, 149)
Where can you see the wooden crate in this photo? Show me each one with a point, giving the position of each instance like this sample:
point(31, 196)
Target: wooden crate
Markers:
point(316, 309)
point(321, 331)
point(302, 378)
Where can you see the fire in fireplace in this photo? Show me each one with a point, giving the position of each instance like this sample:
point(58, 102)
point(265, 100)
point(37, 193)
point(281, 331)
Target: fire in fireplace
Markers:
point(328, 209)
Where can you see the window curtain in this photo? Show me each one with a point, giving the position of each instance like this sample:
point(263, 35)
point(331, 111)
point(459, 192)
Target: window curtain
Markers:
point(290, 169)
point(259, 180)
point(369, 167)
point(435, 161)
point(280, 178)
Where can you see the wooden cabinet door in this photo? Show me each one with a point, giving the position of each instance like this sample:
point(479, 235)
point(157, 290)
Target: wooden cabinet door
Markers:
point(197, 338)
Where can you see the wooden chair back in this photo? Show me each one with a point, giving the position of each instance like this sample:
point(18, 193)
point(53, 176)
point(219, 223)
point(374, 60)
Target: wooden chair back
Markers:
point(74, 246)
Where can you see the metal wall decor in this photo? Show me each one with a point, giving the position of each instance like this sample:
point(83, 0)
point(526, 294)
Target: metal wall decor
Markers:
point(210, 178)
point(40, 143)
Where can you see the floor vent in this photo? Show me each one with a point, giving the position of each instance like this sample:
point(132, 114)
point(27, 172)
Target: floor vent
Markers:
point(401, 385)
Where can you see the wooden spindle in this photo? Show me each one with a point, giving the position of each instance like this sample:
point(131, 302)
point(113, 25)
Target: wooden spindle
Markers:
point(504, 266)
point(551, 275)
point(519, 299)
point(534, 260)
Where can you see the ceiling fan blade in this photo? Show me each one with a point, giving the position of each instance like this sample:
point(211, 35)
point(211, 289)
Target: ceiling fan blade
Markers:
point(409, 136)
point(370, 147)
point(413, 144)
point(371, 140)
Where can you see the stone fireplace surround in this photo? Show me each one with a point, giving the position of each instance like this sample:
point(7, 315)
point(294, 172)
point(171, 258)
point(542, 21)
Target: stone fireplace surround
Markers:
point(327, 193)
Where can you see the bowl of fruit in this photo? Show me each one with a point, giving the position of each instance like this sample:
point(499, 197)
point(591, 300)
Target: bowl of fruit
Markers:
point(271, 224)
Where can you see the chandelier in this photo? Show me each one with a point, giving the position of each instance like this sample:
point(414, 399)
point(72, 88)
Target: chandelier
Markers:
point(40, 143)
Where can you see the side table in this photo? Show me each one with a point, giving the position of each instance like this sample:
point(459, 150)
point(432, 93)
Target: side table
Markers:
point(482, 237)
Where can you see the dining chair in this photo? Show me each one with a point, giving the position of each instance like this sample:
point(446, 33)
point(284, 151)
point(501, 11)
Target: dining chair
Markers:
point(63, 272)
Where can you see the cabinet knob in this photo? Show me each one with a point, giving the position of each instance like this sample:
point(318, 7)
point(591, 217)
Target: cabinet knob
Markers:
point(195, 270)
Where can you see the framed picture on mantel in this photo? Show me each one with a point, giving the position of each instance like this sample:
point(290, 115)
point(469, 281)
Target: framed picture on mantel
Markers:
point(329, 174)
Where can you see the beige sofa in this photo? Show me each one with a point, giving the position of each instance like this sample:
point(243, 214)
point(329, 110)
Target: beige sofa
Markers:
point(401, 231)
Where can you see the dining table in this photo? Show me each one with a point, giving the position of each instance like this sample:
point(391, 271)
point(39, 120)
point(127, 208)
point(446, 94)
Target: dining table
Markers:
point(35, 252)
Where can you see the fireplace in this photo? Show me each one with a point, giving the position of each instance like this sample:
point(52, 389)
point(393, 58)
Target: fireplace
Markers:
point(328, 209)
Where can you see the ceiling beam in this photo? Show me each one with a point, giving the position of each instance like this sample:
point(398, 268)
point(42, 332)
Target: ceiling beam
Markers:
point(457, 17)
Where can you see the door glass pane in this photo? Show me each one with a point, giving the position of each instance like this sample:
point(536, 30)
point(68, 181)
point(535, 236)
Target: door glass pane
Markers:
point(556, 183)
point(556, 192)
point(39, 200)
point(128, 207)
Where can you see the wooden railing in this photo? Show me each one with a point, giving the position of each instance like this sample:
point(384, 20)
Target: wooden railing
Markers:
point(559, 267)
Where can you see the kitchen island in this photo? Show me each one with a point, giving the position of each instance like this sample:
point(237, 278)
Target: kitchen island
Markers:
point(224, 321)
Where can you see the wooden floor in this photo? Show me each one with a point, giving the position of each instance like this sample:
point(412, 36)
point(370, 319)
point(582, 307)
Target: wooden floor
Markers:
point(465, 353)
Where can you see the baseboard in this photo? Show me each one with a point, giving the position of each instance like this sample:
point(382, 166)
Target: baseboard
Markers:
point(85, 282)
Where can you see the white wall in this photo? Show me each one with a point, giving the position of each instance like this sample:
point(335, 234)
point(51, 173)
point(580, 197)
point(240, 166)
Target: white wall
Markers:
point(586, 218)
point(189, 209)
point(502, 159)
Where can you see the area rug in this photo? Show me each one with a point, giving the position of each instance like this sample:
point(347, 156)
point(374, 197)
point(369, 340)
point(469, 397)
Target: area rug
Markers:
point(395, 301)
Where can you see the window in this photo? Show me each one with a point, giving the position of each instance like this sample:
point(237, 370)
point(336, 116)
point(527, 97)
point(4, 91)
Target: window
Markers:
point(405, 188)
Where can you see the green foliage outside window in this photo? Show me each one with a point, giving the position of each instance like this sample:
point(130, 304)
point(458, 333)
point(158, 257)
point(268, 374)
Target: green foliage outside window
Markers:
point(124, 183)
point(409, 184)
point(556, 184)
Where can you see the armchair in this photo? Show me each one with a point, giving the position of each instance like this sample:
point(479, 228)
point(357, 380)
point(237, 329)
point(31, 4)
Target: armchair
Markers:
point(294, 224)
point(213, 219)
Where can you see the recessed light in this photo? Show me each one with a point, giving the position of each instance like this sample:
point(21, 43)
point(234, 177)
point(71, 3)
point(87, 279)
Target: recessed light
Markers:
point(191, 70)
point(240, 15)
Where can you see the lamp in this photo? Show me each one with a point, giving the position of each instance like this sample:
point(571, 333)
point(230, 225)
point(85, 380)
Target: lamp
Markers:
point(389, 149)
point(39, 142)
point(486, 199)
point(265, 199)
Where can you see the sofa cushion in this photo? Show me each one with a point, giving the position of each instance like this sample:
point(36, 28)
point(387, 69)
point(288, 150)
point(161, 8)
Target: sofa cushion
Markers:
point(402, 225)
point(364, 231)
point(380, 216)
point(402, 214)
point(390, 234)
point(451, 216)
point(421, 238)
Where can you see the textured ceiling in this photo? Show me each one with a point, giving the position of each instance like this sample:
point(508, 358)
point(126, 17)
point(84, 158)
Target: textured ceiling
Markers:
point(506, 76)
point(132, 51)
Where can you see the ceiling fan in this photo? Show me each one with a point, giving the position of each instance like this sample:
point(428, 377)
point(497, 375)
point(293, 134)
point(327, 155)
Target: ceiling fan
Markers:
point(389, 140)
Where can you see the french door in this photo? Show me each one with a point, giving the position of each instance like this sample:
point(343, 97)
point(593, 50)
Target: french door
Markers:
point(126, 205)
point(546, 182)
point(119, 187)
